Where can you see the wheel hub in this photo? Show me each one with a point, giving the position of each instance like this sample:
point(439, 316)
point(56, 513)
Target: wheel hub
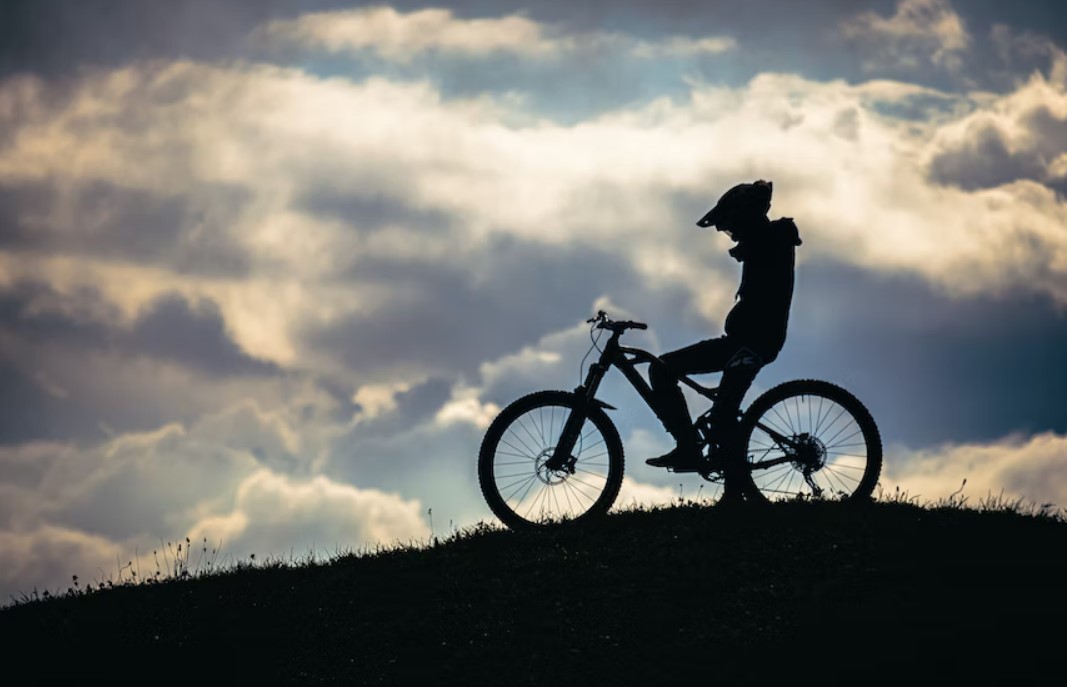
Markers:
point(548, 474)
point(810, 453)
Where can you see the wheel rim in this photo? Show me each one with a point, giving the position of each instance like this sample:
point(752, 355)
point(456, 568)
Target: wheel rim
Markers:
point(535, 493)
point(827, 455)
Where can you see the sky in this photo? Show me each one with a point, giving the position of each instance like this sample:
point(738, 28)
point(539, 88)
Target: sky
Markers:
point(268, 269)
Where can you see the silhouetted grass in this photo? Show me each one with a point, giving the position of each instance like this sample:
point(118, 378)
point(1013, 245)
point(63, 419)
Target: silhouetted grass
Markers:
point(892, 591)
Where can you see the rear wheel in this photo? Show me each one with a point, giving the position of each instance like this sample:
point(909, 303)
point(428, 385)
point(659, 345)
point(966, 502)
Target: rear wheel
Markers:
point(519, 486)
point(809, 439)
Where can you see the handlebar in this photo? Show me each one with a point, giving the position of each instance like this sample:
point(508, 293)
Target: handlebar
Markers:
point(603, 322)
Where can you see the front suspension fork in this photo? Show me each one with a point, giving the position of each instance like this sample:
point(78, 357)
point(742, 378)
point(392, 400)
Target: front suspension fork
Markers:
point(562, 458)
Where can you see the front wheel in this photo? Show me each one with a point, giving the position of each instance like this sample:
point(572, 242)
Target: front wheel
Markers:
point(516, 479)
point(809, 439)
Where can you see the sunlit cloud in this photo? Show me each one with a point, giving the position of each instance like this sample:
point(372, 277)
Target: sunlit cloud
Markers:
point(678, 46)
point(466, 407)
point(634, 494)
point(919, 32)
point(602, 182)
point(251, 296)
point(401, 37)
point(1029, 469)
point(274, 513)
point(1022, 135)
point(47, 559)
point(245, 476)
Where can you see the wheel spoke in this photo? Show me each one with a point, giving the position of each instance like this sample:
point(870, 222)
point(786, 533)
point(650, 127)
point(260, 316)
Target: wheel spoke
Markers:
point(532, 454)
point(581, 491)
point(834, 421)
point(767, 421)
point(530, 434)
point(829, 442)
point(787, 422)
point(577, 493)
point(520, 482)
point(520, 441)
point(819, 417)
point(515, 462)
point(532, 481)
point(837, 428)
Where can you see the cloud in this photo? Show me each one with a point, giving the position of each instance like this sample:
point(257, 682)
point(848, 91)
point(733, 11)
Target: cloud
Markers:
point(398, 36)
point(364, 269)
point(919, 32)
point(634, 493)
point(677, 47)
point(509, 218)
point(76, 369)
point(933, 367)
point(249, 474)
point(465, 406)
point(401, 37)
point(274, 513)
point(1020, 135)
point(1026, 468)
point(599, 183)
point(47, 558)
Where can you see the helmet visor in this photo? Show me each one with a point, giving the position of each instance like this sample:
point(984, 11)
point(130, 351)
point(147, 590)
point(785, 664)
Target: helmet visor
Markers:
point(710, 218)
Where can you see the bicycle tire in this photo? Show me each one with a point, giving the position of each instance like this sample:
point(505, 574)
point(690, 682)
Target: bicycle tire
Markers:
point(836, 461)
point(520, 442)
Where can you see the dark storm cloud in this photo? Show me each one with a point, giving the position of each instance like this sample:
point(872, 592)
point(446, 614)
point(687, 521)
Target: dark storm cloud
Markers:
point(187, 233)
point(985, 158)
point(917, 107)
point(932, 368)
point(57, 36)
point(191, 335)
point(414, 407)
point(60, 37)
point(984, 161)
point(368, 212)
point(36, 402)
point(31, 413)
point(170, 328)
point(454, 320)
point(78, 323)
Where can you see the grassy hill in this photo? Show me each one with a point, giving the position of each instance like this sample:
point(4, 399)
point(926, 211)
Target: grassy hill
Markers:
point(883, 593)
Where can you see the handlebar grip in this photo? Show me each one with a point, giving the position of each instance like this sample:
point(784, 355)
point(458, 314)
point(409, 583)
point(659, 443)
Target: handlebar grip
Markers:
point(640, 325)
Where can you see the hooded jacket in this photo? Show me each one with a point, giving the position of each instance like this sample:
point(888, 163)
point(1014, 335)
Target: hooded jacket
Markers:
point(760, 317)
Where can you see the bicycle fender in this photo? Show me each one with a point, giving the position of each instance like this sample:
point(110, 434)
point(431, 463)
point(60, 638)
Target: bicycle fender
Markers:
point(602, 404)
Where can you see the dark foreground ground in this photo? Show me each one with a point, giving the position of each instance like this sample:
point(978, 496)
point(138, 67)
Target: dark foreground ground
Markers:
point(802, 593)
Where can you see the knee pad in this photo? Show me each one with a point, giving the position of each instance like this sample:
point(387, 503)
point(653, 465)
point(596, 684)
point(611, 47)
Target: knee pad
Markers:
point(745, 358)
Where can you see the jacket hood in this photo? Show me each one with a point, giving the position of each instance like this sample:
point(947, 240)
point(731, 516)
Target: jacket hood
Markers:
point(780, 233)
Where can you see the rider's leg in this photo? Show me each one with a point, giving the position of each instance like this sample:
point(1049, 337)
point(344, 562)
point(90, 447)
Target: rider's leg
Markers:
point(669, 403)
point(737, 376)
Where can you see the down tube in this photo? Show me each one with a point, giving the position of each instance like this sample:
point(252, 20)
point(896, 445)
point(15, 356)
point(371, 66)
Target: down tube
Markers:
point(634, 377)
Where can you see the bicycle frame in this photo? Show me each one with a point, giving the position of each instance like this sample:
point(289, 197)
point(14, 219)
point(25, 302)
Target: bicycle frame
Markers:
point(626, 358)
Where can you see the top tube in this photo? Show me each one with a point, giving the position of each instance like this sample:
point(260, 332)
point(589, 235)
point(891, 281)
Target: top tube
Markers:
point(642, 356)
point(602, 321)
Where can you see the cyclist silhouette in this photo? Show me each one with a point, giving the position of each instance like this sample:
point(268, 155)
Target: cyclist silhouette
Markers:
point(755, 327)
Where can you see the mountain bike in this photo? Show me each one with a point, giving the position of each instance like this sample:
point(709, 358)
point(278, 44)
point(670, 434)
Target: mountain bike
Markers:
point(555, 456)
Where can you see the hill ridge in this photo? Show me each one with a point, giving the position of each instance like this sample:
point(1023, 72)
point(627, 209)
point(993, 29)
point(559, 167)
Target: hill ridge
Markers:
point(749, 594)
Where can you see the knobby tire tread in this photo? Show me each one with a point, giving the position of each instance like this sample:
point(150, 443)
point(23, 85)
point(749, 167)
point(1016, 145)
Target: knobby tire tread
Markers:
point(515, 410)
point(814, 387)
